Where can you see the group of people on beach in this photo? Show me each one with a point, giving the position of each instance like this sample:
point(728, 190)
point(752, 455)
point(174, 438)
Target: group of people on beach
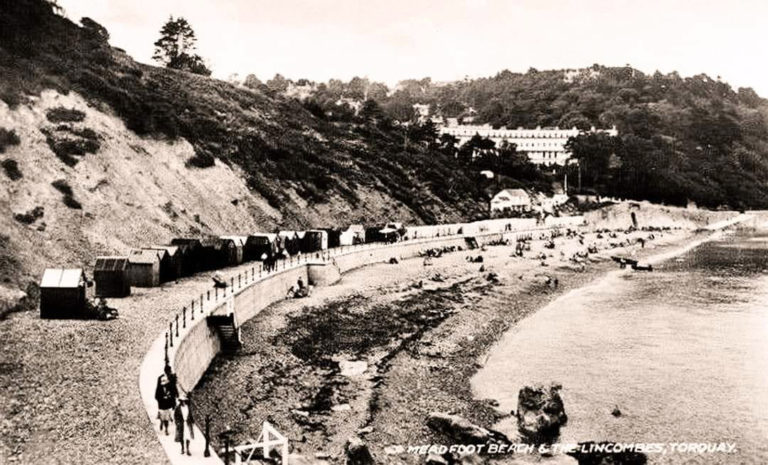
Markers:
point(173, 406)
point(299, 290)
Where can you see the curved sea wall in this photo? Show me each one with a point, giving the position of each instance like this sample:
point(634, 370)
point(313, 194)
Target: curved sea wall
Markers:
point(189, 344)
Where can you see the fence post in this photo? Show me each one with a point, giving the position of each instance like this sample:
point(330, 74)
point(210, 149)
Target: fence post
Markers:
point(184, 316)
point(177, 325)
point(201, 303)
point(216, 293)
point(170, 332)
point(208, 296)
point(166, 348)
point(207, 452)
point(232, 283)
point(239, 282)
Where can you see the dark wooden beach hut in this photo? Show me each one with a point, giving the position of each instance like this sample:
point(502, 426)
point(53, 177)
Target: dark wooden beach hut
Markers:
point(166, 266)
point(218, 253)
point(191, 254)
point(111, 277)
point(239, 242)
point(373, 234)
point(171, 265)
point(314, 240)
point(62, 293)
point(260, 244)
point(290, 242)
point(144, 268)
point(334, 236)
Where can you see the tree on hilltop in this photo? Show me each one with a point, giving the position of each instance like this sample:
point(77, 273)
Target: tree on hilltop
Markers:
point(176, 47)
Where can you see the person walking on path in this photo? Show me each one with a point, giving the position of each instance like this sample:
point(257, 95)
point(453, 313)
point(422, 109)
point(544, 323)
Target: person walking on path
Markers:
point(166, 395)
point(182, 416)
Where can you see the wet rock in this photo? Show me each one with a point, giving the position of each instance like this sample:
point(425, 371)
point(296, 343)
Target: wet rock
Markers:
point(586, 455)
point(341, 408)
point(298, 459)
point(470, 459)
point(434, 459)
point(394, 450)
point(540, 413)
point(352, 368)
point(464, 431)
point(357, 452)
point(616, 412)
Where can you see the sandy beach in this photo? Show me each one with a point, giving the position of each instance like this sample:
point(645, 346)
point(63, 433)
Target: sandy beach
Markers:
point(376, 353)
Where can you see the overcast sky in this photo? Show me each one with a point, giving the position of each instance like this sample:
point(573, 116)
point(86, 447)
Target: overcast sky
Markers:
point(390, 40)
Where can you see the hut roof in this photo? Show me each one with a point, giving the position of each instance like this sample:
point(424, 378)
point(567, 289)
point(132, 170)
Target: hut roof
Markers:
point(170, 249)
point(238, 240)
point(62, 278)
point(190, 242)
point(269, 236)
point(215, 242)
point(111, 263)
point(144, 256)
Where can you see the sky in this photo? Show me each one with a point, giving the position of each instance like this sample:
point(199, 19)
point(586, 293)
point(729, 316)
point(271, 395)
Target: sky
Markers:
point(391, 40)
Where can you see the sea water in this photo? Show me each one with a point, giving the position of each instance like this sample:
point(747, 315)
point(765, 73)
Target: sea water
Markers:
point(682, 352)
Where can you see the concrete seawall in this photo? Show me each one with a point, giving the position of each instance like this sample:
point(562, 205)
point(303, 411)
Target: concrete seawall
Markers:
point(195, 344)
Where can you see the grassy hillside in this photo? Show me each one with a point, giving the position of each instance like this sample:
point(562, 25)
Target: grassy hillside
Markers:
point(100, 153)
point(277, 142)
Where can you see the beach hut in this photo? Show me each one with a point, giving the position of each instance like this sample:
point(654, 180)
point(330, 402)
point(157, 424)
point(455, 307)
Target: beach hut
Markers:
point(144, 268)
point(166, 267)
point(260, 244)
point(290, 241)
point(62, 293)
point(171, 265)
point(190, 254)
point(373, 234)
point(354, 234)
point(111, 277)
point(334, 236)
point(239, 242)
point(218, 253)
point(314, 240)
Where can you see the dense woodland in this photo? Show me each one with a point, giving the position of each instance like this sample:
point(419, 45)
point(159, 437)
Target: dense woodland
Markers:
point(681, 139)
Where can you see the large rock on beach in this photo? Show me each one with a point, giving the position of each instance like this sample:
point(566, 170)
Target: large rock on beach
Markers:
point(540, 413)
point(463, 431)
point(358, 452)
point(587, 455)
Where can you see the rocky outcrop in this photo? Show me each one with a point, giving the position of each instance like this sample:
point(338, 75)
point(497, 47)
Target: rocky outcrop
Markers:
point(463, 431)
point(357, 452)
point(540, 413)
point(589, 453)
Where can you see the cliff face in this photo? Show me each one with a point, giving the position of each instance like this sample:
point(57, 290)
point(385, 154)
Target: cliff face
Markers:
point(100, 153)
point(132, 191)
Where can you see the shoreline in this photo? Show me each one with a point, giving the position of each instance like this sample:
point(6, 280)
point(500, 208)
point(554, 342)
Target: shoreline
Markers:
point(387, 404)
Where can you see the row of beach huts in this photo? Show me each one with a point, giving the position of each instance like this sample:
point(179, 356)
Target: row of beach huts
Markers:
point(63, 290)
point(153, 265)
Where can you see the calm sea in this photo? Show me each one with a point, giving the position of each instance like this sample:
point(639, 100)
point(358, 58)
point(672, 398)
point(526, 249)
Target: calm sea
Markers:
point(682, 352)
